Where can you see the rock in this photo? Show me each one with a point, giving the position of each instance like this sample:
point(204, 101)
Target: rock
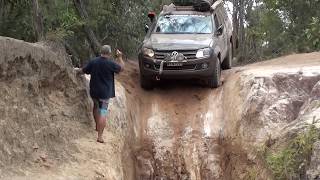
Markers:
point(145, 170)
point(272, 108)
point(99, 174)
point(44, 157)
point(35, 146)
point(47, 165)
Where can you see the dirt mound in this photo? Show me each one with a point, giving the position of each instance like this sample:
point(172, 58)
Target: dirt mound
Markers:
point(42, 105)
point(271, 103)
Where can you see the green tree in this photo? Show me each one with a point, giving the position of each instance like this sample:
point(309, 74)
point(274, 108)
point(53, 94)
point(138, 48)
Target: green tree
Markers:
point(264, 28)
point(298, 18)
point(15, 20)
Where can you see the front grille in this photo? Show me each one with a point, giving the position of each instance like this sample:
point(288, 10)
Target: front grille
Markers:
point(189, 54)
point(184, 67)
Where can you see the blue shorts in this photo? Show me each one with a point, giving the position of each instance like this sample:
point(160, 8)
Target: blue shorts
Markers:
point(102, 105)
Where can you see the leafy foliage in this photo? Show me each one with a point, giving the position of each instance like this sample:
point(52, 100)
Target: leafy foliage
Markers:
point(277, 27)
point(69, 23)
point(313, 32)
point(297, 16)
point(252, 174)
point(271, 27)
point(16, 22)
point(290, 161)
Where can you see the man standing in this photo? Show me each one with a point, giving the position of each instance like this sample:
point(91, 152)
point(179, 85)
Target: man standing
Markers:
point(102, 86)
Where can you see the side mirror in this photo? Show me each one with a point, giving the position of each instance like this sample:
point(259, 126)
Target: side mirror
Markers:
point(152, 16)
point(146, 28)
point(219, 31)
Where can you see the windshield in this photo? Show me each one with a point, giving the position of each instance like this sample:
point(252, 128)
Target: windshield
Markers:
point(184, 24)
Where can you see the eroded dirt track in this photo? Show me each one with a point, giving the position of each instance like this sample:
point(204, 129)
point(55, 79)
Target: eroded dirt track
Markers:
point(179, 131)
point(179, 127)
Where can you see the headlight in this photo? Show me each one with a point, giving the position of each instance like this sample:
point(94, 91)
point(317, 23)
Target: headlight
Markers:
point(203, 53)
point(148, 52)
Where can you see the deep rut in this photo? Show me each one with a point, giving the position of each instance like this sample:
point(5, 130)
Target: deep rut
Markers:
point(179, 133)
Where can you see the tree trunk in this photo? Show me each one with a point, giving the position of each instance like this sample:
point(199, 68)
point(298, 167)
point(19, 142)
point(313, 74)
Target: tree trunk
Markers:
point(1, 12)
point(94, 43)
point(1, 9)
point(235, 24)
point(37, 20)
point(241, 32)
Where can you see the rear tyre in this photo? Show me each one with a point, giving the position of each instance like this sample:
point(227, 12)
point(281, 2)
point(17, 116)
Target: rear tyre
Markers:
point(227, 63)
point(146, 83)
point(214, 80)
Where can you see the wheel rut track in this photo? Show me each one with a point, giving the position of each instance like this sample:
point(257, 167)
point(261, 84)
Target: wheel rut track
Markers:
point(179, 130)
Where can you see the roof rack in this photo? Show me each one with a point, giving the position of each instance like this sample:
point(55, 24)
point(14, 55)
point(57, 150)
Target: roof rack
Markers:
point(184, 8)
point(173, 7)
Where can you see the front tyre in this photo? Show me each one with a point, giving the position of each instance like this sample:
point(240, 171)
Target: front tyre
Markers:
point(214, 80)
point(227, 63)
point(146, 83)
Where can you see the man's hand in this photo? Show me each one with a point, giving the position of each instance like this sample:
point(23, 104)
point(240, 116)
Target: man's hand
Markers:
point(78, 71)
point(118, 53)
point(119, 59)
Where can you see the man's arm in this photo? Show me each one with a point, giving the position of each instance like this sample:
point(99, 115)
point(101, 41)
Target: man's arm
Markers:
point(119, 59)
point(84, 70)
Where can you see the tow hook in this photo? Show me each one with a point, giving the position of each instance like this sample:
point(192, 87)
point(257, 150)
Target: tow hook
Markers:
point(160, 71)
point(161, 67)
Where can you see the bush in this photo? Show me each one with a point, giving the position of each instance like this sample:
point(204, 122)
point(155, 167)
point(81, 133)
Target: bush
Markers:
point(290, 161)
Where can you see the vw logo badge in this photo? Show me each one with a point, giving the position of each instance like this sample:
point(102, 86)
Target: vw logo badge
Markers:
point(174, 54)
